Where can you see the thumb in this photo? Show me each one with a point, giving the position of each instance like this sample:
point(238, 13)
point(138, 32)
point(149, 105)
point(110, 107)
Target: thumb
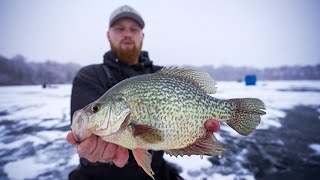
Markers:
point(70, 138)
point(212, 125)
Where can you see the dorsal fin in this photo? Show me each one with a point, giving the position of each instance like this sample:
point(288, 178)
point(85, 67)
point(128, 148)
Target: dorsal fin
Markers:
point(200, 78)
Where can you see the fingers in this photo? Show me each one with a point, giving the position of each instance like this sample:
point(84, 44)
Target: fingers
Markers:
point(109, 152)
point(96, 149)
point(86, 147)
point(121, 157)
point(70, 138)
point(97, 153)
point(212, 125)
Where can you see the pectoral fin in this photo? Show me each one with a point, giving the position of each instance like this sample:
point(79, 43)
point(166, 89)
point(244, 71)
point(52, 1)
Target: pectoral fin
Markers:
point(143, 158)
point(147, 133)
point(138, 129)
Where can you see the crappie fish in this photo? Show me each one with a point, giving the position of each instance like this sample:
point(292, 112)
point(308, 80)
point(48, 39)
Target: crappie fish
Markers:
point(166, 111)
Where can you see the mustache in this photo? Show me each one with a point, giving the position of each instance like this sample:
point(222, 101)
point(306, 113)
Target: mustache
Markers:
point(127, 40)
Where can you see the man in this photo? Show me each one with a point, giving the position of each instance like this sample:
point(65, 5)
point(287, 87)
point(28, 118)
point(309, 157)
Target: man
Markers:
point(100, 159)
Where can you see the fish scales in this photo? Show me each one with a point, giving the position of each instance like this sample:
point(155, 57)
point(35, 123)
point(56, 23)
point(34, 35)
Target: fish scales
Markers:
point(161, 98)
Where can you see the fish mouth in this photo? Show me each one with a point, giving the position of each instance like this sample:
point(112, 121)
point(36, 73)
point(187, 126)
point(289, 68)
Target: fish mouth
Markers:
point(80, 129)
point(76, 137)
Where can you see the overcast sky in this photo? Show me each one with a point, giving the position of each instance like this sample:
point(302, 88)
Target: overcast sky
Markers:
point(258, 33)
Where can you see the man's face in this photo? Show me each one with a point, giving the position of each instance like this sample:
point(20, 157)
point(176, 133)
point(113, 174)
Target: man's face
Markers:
point(125, 37)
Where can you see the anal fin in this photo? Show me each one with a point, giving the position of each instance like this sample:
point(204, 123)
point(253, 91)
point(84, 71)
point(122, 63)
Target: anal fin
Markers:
point(143, 158)
point(205, 145)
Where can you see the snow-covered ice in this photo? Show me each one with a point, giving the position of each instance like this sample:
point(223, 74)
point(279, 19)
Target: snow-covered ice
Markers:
point(34, 122)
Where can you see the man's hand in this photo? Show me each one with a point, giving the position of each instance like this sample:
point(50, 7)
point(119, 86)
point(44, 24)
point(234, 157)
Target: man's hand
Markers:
point(212, 125)
point(95, 149)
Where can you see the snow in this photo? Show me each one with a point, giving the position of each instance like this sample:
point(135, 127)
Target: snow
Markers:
point(19, 170)
point(48, 109)
point(33, 102)
point(192, 162)
point(315, 148)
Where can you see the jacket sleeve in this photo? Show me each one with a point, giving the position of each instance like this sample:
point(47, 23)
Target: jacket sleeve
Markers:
point(87, 86)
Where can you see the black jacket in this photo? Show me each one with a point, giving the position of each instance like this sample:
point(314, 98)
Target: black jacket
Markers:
point(90, 83)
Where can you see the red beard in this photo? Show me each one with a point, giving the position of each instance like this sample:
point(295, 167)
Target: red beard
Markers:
point(127, 56)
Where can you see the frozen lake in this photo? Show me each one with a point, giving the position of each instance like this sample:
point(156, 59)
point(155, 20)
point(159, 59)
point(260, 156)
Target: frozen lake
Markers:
point(35, 121)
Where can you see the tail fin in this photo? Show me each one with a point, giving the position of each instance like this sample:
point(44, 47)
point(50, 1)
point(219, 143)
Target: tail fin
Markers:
point(246, 114)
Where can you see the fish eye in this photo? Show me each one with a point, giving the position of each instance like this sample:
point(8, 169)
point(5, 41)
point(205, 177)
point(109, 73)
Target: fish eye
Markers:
point(95, 108)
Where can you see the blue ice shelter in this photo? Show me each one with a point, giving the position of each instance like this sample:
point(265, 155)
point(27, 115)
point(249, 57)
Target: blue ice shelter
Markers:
point(250, 79)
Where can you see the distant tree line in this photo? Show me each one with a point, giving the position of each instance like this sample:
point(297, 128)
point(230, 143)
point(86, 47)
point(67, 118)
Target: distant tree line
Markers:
point(17, 71)
point(230, 73)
